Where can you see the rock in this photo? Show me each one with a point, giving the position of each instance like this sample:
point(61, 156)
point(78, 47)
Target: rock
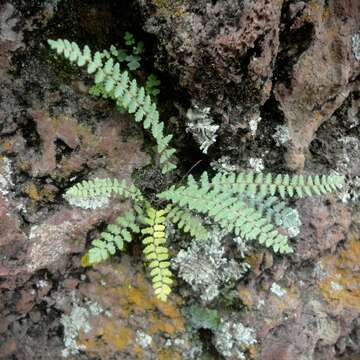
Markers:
point(222, 52)
point(323, 227)
point(322, 77)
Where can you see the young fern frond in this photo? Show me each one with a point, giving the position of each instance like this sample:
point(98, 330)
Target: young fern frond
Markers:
point(187, 222)
point(92, 194)
point(113, 238)
point(156, 252)
point(126, 92)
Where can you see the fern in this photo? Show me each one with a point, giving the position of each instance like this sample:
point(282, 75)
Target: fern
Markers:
point(156, 252)
point(249, 216)
point(127, 93)
point(113, 238)
point(92, 194)
point(249, 205)
point(284, 185)
point(187, 222)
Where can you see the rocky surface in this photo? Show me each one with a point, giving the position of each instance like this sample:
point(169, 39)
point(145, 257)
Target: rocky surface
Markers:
point(281, 79)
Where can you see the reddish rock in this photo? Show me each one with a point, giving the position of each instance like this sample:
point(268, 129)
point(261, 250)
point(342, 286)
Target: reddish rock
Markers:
point(26, 302)
point(323, 76)
point(323, 227)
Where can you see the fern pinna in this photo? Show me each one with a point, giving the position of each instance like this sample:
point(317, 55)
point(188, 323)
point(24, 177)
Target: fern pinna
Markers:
point(248, 205)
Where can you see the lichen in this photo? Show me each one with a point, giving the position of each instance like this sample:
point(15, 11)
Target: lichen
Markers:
point(143, 339)
point(253, 124)
point(201, 125)
point(202, 318)
point(282, 135)
point(277, 290)
point(256, 164)
point(339, 276)
point(74, 323)
point(224, 165)
point(356, 46)
point(203, 265)
point(5, 175)
point(233, 339)
point(350, 192)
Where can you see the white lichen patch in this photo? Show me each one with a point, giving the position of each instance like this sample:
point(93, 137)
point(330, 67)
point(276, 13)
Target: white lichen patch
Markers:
point(205, 268)
point(232, 339)
point(74, 323)
point(350, 192)
point(277, 290)
point(253, 124)
point(282, 135)
point(224, 165)
point(40, 284)
point(201, 125)
point(256, 164)
point(356, 46)
point(143, 339)
point(5, 175)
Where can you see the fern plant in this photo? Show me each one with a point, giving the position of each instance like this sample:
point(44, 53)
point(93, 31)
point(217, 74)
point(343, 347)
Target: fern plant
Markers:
point(248, 205)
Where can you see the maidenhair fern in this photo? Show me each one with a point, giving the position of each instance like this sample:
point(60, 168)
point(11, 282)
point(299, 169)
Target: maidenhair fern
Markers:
point(126, 92)
point(250, 206)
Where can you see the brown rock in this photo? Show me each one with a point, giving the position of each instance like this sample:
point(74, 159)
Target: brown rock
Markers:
point(323, 76)
point(323, 227)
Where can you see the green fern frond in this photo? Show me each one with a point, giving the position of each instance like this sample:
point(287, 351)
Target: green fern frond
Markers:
point(126, 92)
point(187, 222)
point(228, 211)
point(113, 238)
point(92, 194)
point(284, 185)
point(156, 252)
point(276, 211)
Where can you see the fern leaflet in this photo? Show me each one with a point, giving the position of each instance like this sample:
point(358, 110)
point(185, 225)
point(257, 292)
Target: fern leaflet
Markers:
point(156, 252)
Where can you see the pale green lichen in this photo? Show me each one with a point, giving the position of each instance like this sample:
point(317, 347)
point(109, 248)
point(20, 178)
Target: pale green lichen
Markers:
point(205, 268)
point(232, 338)
point(75, 322)
point(224, 165)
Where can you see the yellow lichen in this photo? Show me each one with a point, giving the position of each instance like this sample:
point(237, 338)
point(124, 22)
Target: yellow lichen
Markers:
point(170, 7)
point(128, 296)
point(37, 194)
point(340, 286)
point(168, 354)
point(32, 191)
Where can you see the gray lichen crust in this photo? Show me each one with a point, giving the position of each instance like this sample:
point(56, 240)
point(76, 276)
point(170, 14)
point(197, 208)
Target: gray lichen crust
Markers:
point(204, 267)
point(232, 339)
point(356, 46)
point(201, 125)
